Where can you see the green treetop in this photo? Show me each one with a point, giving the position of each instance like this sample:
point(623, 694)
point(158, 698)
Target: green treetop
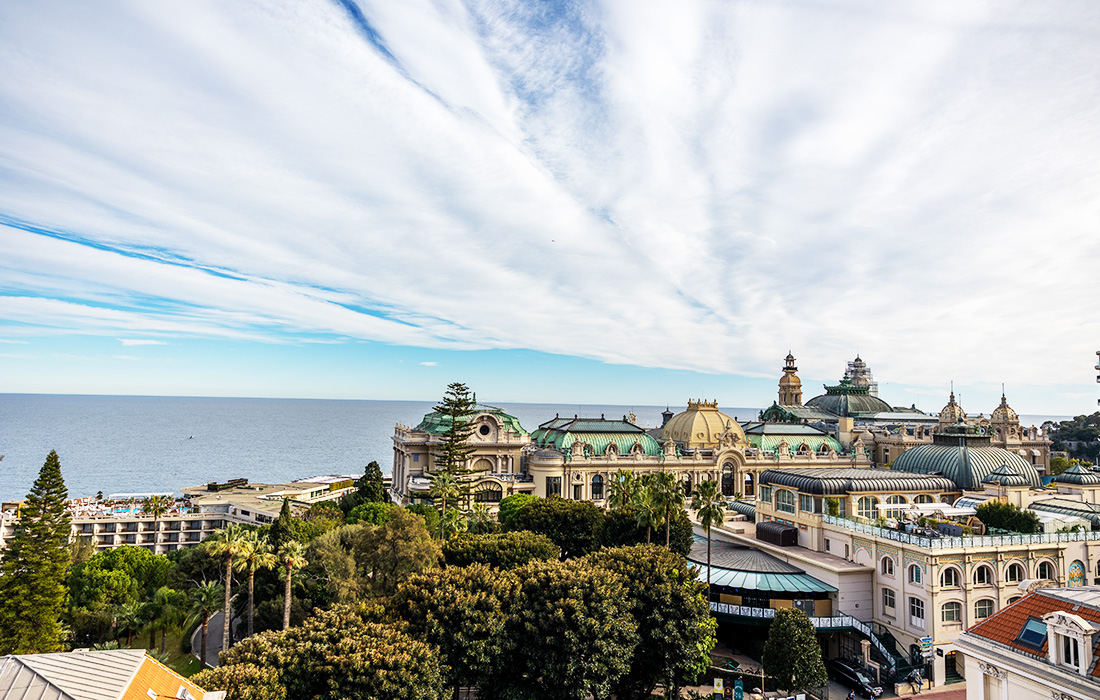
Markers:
point(370, 485)
point(792, 655)
point(34, 567)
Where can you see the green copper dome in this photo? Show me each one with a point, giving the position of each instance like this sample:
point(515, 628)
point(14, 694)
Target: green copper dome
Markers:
point(436, 423)
point(964, 455)
point(847, 399)
point(1005, 475)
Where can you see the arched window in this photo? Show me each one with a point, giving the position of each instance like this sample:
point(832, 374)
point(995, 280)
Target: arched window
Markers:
point(950, 577)
point(923, 498)
point(1013, 599)
point(895, 501)
point(983, 576)
point(784, 500)
point(488, 492)
point(729, 479)
point(1046, 570)
point(916, 573)
point(983, 609)
point(687, 484)
point(865, 507)
point(887, 566)
point(1014, 573)
point(597, 487)
point(951, 612)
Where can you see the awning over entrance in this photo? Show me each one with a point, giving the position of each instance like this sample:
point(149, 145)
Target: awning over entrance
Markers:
point(753, 570)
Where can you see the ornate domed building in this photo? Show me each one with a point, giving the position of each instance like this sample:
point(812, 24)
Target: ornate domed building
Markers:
point(963, 454)
point(790, 386)
point(849, 400)
point(703, 426)
point(952, 413)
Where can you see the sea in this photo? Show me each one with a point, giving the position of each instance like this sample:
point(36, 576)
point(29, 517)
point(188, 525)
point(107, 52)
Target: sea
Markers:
point(152, 444)
point(157, 444)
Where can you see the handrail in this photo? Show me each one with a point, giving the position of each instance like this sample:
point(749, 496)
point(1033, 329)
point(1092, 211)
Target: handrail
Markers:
point(958, 542)
point(819, 622)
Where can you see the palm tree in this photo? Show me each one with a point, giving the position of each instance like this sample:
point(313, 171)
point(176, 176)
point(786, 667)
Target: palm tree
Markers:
point(481, 520)
point(647, 508)
point(205, 599)
point(621, 490)
point(157, 505)
point(227, 543)
point(291, 556)
point(168, 612)
point(445, 488)
point(669, 493)
point(710, 507)
point(129, 619)
point(256, 554)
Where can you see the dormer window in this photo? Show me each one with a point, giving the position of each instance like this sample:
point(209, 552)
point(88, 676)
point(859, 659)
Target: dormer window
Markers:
point(1072, 639)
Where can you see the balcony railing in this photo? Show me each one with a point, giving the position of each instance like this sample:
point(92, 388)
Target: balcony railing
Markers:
point(958, 542)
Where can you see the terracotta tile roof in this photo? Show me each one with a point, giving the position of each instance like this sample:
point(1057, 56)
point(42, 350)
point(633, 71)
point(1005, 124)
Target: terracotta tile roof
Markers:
point(1004, 626)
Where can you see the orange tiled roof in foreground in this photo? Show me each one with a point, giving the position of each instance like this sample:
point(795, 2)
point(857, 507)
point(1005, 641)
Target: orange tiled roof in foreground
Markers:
point(1004, 626)
point(162, 680)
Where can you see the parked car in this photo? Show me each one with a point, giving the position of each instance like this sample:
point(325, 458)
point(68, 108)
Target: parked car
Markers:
point(854, 677)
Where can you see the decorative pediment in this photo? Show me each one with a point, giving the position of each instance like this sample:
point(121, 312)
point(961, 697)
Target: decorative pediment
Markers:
point(1067, 621)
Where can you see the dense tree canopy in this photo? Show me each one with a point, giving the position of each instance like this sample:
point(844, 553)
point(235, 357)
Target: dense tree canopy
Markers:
point(505, 550)
point(669, 608)
point(33, 570)
point(336, 654)
point(510, 505)
point(372, 512)
point(124, 574)
point(575, 526)
point(792, 655)
point(574, 633)
point(467, 612)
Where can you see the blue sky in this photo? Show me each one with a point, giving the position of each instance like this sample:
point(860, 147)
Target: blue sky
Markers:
point(604, 202)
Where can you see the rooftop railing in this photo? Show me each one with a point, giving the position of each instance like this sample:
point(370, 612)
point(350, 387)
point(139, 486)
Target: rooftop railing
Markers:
point(965, 541)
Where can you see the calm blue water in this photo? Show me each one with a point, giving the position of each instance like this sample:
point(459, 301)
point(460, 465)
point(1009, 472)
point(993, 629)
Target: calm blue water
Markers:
point(120, 444)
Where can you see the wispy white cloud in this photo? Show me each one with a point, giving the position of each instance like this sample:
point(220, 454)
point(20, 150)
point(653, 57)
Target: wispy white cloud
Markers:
point(14, 342)
point(428, 364)
point(131, 342)
point(701, 188)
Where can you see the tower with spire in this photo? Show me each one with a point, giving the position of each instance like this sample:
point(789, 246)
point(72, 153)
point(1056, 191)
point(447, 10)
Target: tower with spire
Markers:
point(790, 386)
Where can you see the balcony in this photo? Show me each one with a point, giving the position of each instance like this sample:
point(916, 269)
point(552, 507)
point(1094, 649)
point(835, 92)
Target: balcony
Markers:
point(964, 541)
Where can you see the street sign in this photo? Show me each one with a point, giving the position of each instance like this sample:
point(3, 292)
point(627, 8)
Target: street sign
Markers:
point(738, 690)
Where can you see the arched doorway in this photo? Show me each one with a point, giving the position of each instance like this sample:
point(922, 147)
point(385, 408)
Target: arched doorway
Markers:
point(729, 479)
point(686, 480)
point(750, 485)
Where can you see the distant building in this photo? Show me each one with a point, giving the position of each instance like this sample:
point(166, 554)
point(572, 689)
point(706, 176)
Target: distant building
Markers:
point(204, 510)
point(120, 674)
point(1046, 645)
point(499, 443)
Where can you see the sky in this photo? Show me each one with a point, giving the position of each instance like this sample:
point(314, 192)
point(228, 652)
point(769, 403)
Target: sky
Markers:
point(586, 202)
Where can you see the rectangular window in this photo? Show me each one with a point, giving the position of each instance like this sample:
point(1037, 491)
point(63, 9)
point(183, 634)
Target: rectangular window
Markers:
point(416, 458)
point(806, 503)
point(766, 494)
point(916, 612)
point(889, 600)
point(553, 486)
point(1070, 654)
point(784, 500)
point(827, 541)
point(1033, 634)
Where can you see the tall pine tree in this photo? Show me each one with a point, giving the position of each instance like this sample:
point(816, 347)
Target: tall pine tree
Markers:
point(34, 567)
point(453, 453)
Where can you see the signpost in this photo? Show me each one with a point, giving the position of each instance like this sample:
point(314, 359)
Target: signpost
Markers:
point(926, 648)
